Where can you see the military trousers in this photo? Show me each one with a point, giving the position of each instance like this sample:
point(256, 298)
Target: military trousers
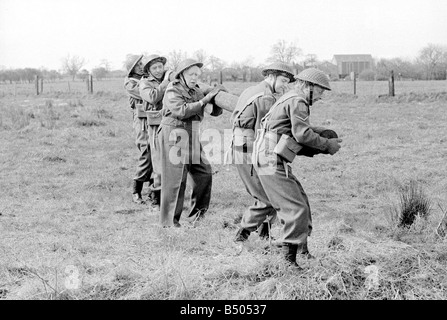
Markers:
point(144, 166)
point(155, 152)
point(182, 158)
point(261, 209)
point(285, 193)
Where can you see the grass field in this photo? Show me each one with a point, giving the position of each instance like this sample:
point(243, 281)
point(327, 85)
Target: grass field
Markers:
point(68, 228)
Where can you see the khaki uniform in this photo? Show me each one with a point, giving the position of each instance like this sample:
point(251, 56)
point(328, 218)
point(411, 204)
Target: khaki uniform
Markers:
point(152, 92)
point(290, 116)
point(144, 167)
point(252, 106)
point(181, 154)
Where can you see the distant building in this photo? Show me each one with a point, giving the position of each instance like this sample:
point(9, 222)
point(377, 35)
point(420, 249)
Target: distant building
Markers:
point(347, 63)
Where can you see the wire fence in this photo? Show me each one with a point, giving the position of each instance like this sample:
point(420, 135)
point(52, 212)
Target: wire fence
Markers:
point(116, 85)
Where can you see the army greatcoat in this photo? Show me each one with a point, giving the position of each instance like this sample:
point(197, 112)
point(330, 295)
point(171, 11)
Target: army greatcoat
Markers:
point(181, 154)
point(152, 92)
point(144, 166)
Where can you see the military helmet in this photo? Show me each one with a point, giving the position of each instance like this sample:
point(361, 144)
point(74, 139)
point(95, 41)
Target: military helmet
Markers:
point(314, 76)
point(131, 62)
point(147, 61)
point(281, 68)
point(186, 64)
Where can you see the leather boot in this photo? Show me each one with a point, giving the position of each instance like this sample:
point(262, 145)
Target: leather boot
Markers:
point(289, 252)
point(155, 201)
point(242, 235)
point(304, 251)
point(136, 193)
point(263, 232)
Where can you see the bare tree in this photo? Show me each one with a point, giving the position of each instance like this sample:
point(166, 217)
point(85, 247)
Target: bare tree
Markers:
point(284, 52)
point(248, 62)
point(431, 57)
point(83, 74)
point(72, 64)
point(106, 65)
point(201, 56)
point(311, 60)
point(175, 57)
point(100, 73)
point(216, 63)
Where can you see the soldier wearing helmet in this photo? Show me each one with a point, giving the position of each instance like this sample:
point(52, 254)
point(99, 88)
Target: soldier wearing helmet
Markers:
point(134, 67)
point(252, 106)
point(284, 130)
point(152, 88)
point(181, 150)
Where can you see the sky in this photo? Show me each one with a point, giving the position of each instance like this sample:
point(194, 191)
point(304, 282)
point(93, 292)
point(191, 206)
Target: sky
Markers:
point(39, 33)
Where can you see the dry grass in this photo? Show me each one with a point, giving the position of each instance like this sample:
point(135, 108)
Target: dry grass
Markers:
point(68, 229)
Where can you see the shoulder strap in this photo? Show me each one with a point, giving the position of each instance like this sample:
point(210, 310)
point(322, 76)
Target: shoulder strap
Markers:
point(247, 103)
point(279, 101)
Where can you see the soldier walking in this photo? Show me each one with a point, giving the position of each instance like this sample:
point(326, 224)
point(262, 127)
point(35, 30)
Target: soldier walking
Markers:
point(252, 105)
point(152, 88)
point(134, 66)
point(181, 150)
point(284, 130)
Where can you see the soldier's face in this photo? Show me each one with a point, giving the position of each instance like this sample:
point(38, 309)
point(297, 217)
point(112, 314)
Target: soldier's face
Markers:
point(318, 92)
point(192, 76)
point(282, 84)
point(157, 70)
point(138, 69)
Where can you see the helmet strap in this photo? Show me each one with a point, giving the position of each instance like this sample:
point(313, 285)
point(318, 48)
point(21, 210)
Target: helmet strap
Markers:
point(274, 83)
point(184, 81)
point(311, 93)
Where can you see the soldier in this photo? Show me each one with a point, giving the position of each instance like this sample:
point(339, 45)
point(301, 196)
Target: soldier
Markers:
point(284, 130)
point(143, 173)
point(252, 106)
point(152, 90)
point(183, 110)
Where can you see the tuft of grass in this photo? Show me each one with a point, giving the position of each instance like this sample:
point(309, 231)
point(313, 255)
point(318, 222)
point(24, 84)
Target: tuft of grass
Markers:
point(102, 113)
point(19, 117)
point(75, 103)
point(413, 203)
point(89, 123)
point(49, 116)
point(54, 159)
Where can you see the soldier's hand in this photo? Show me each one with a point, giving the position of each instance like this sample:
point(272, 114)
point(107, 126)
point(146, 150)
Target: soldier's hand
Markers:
point(221, 88)
point(209, 97)
point(333, 145)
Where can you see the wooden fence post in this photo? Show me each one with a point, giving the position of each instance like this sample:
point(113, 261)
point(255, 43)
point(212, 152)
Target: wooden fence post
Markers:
point(220, 77)
point(353, 77)
point(37, 84)
point(91, 83)
point(87, 81)
point(41, 85)
point(391, 84)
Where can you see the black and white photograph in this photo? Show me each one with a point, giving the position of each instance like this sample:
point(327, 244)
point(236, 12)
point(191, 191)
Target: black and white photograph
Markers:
point(223, 158)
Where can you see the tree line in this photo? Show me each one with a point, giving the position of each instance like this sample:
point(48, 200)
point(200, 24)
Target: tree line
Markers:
point(430, 64)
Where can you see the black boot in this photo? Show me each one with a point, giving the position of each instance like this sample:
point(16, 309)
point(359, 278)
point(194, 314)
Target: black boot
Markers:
point(289, 252)
point(154, 198)
point(242, 235)
point(136, 193)
point(264, 232)
point(304, 251)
